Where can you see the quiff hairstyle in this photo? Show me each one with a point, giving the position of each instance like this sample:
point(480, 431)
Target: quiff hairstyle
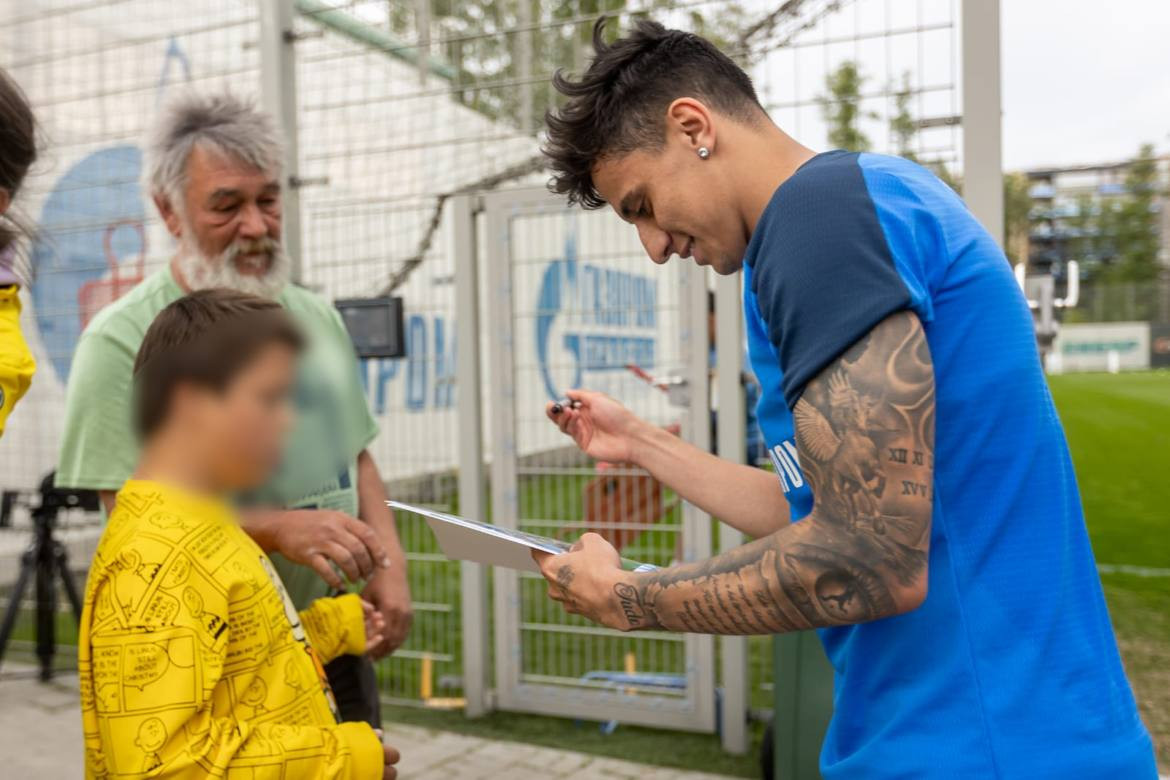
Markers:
point(619, 104)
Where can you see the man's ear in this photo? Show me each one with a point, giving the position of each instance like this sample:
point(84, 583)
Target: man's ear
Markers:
point(170, 215)
point(689, 121)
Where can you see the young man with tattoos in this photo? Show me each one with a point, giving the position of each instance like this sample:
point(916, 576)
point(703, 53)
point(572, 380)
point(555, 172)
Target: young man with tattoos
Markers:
point(937, 541)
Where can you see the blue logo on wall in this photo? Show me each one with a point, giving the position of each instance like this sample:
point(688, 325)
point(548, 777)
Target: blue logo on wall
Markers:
point(91, 222)
point(588, 318)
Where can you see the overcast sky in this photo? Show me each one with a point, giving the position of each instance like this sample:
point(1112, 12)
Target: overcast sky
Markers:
point(1084, 80)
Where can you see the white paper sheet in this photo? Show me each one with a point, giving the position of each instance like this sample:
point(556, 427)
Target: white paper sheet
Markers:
point(462, 539)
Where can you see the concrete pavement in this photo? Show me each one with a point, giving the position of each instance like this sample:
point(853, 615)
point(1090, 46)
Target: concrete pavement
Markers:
point(40, 736)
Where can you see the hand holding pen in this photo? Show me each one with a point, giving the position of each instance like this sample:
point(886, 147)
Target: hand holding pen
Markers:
point(600, 426)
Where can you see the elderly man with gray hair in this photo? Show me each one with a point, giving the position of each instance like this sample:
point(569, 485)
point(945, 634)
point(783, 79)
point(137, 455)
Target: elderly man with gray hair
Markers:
point(215, 175)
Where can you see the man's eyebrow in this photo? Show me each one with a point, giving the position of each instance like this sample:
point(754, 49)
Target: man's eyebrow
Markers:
point(223, 193)
point(629, 202)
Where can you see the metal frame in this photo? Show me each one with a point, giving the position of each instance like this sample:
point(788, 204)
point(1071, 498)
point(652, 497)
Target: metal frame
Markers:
point(278, 88)
point(472, 492)
point(695, 712)
point(731, 445)
point(982, 115)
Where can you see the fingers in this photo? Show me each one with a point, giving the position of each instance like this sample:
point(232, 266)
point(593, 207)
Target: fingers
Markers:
point(320, 564)
point(360, 554)
point(370, 539)
point(341, 555)
point(391, 754)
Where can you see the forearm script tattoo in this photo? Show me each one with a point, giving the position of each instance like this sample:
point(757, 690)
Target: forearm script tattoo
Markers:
point(865, 437)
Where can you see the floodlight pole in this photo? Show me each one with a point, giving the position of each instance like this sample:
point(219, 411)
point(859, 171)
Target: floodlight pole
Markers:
point(982, 115)
point(278, 91)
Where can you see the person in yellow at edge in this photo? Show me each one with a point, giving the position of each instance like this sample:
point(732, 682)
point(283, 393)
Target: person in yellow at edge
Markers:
point(18, 151)
point(192, 660)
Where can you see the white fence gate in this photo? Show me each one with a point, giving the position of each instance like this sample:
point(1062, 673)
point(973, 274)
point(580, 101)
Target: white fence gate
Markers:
point(598, 307)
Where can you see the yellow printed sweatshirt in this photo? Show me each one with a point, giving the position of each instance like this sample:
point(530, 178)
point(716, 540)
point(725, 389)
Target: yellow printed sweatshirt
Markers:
point(16, 362)
point(193, 661)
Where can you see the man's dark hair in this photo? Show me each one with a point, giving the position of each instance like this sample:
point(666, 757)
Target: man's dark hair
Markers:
point(205, 338)
point(18, 146)
point(620, 103)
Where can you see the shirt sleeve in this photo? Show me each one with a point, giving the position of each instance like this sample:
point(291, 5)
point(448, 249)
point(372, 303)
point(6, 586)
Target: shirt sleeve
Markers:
point(363, 428)
point(335, 626)
point(833, 264)
point(16, 362)
point(187, 734)
point(98, 448)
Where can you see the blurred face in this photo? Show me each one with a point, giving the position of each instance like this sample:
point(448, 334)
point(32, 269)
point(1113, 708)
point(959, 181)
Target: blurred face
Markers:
point(240, 432)
point(229, 226)
point(679, 203)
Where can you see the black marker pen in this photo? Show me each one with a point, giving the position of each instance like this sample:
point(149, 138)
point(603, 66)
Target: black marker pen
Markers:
point(560, 405)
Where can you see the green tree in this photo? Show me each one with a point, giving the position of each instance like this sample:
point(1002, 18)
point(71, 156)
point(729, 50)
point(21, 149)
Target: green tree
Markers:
point(1017, 205)
point(841, 108)
point(505, 52)
point(902, 125)
point(1130, 223)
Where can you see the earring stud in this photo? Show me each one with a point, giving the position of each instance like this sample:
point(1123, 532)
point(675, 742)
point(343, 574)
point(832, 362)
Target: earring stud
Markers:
point(704, 153)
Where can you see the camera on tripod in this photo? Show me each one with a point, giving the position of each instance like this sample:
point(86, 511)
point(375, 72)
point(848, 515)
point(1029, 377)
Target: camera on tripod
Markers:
point(44, 560)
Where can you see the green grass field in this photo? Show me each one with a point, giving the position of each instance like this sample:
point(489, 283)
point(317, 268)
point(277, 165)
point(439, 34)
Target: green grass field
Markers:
point(1118, 429)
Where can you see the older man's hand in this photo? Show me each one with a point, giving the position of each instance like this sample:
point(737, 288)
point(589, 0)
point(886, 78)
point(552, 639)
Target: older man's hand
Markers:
point(318, 538)
point(389, 592)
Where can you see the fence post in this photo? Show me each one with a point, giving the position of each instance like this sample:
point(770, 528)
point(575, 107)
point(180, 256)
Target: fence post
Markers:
point(278, 90)
point(732, 445)
point(982, 120)
point(472, 496)
point(696, 420)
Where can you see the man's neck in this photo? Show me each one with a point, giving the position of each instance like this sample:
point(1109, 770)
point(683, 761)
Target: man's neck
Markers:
point(766, 158)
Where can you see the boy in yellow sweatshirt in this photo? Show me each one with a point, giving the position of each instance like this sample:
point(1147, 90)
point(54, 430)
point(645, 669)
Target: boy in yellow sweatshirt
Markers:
point(193, 661)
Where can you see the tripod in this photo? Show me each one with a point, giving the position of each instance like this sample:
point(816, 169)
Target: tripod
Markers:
point(45, 560)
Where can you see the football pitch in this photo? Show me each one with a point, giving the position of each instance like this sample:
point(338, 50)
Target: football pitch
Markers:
point(1118, 428)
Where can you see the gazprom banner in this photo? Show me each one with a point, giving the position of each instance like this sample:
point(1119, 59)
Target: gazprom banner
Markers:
point(1089, 346)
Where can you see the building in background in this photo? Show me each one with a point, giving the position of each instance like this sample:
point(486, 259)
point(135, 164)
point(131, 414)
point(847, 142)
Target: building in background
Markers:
point(1068, 216)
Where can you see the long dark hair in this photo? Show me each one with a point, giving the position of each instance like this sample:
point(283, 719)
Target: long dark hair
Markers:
point(18, 148)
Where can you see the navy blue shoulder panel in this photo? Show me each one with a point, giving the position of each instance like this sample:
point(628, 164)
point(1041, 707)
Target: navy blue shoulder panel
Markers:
point(822, 271)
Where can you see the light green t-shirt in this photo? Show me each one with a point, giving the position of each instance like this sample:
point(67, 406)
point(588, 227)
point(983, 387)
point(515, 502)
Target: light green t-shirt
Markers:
point(333, 424)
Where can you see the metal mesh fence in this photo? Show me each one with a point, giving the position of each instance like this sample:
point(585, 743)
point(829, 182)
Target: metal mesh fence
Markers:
point(399, 105)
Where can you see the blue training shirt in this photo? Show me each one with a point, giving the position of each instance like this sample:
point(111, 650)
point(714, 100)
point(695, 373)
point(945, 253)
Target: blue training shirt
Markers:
point(1009, 669)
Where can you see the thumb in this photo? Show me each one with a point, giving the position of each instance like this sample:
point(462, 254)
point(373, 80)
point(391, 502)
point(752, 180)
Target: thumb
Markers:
point(541, 557)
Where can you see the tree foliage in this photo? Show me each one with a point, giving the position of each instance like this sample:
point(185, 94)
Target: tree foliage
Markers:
point(505, 52)
point(1130, 223)
point(841, 108)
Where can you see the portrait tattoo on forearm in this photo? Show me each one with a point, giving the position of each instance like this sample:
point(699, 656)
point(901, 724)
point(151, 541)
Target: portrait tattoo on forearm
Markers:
point(865, 439)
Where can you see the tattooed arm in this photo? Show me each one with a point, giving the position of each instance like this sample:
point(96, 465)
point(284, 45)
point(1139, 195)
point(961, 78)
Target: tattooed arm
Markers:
point(865, 437)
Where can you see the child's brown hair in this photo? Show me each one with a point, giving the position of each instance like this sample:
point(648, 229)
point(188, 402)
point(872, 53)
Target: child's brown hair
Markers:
point(206, 338)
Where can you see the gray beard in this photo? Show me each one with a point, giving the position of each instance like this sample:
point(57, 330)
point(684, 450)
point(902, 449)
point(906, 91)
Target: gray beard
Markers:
point(201, 272)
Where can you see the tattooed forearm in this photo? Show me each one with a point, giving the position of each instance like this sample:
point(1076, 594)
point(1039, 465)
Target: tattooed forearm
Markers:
point(634, 606)
point(865, 437)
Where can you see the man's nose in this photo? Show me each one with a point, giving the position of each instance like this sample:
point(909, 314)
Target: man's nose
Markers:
point(656, 242)
point(252, 223)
